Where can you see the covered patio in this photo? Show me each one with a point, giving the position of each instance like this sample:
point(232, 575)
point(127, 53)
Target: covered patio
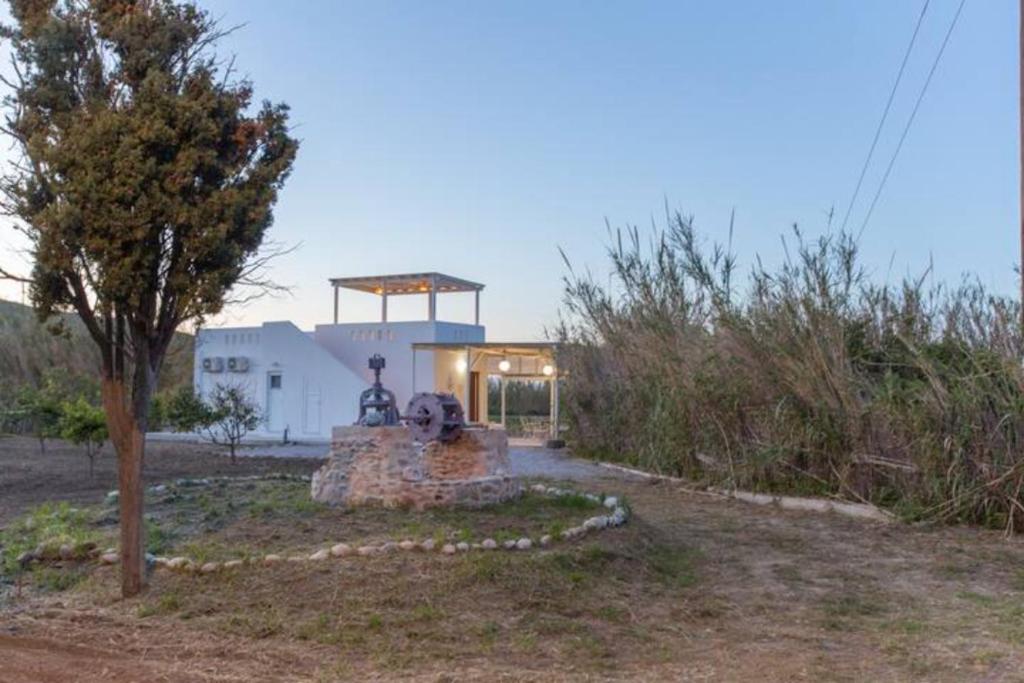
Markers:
point(463, 369)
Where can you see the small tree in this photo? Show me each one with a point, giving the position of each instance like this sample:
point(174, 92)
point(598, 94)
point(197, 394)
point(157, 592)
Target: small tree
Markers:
point(83, 424)
point(38, 410)
point(230, 415)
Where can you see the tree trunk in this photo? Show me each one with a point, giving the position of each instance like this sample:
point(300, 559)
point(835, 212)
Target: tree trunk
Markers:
point(231, 449)
point(129, 439)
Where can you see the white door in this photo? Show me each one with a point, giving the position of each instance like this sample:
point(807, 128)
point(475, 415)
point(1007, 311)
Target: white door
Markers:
point(312, 412)
point(275, 402)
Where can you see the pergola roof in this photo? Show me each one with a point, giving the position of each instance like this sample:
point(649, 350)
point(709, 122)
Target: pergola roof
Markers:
point(529, 349)
point(406, 283)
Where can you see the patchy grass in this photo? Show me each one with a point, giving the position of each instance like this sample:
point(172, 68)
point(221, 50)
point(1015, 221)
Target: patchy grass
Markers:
point(49, 526)
point(241, 519)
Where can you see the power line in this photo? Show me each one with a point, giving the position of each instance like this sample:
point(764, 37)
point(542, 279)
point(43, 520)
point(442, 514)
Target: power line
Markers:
point(885, 113)
point(910, 121)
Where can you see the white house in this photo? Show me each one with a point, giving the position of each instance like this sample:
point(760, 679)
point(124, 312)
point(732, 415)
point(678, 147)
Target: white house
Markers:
point(306, 382)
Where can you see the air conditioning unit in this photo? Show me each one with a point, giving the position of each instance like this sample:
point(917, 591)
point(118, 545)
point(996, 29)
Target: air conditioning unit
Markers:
point(213, 364)
point(238, 364)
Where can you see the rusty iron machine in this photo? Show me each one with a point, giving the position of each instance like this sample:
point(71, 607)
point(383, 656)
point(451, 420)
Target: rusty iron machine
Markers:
point(429, 416)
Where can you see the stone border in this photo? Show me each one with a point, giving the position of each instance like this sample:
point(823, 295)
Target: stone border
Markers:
point(619, 514)
point(864, 511)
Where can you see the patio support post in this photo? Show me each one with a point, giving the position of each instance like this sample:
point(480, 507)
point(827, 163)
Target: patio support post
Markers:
point(504, 423)
point(384, 308)
point(335, 304)
point(414, 370)
point(469, 375)
point(476, 318)
point(432, 303)
point(554, 406)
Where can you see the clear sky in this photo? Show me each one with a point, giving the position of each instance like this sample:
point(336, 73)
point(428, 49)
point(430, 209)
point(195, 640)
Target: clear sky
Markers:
point(475, 138)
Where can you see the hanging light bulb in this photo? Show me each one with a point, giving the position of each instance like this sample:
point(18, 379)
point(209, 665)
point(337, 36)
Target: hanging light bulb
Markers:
point(548, 370)
point(504, 365)
point(461, 365)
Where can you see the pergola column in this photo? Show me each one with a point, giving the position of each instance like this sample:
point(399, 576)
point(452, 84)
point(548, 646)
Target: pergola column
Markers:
point(384, 308)
point(335, 304)
point(476, 317)
point(554, 406)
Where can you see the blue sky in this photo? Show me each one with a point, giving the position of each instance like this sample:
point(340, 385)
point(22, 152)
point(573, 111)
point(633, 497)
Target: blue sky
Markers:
point(477, 138)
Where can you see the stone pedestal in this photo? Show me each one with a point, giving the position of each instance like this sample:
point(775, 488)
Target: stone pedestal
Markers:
point(384, 466)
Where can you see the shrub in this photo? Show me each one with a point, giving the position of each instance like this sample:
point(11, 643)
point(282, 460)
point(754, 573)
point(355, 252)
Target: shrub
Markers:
point(83, 425)
point(811, 379)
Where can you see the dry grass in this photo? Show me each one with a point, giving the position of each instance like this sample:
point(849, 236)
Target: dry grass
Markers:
point(811, 379)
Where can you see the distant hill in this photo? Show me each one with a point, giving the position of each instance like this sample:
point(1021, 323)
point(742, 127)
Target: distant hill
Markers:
point(28, 349)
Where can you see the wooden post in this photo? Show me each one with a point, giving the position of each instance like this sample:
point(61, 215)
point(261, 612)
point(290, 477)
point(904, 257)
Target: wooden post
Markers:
point(476, 319)
point(335, 304)
point(384, 308)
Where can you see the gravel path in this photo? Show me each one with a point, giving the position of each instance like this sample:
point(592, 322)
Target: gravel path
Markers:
point(526, 461)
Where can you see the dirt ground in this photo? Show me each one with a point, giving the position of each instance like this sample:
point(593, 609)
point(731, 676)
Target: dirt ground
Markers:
point(694, 588)
point(29, 477)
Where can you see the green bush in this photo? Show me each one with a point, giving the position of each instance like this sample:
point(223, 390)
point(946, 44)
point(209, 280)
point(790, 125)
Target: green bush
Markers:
point(809, 380)
point(83, 425)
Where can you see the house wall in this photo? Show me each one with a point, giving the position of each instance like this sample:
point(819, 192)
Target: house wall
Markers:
point(317, 391)
point(324, 371)
point(354, 343)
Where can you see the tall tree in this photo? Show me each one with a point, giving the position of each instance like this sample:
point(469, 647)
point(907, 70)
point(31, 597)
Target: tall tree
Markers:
point(145, 183)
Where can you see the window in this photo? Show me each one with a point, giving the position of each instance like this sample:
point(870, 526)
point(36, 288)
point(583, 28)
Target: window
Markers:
point(275, 381)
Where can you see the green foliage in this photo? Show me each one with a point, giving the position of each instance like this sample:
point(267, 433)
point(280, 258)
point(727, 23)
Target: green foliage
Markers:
point(83, 425)
point(231, 416)
point(50, 526)
point(811, 380)
point(38, 411)
point(226, 416)
point(185, 411)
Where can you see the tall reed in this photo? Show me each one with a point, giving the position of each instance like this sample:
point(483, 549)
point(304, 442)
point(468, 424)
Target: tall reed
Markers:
point(808, 378)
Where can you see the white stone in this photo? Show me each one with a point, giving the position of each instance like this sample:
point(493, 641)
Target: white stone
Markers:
point(368, 550)
point(210, 567)
point(233, 564)
point(489, 544)
point(407, 545)
point(297, 558)
point(539, 488)
point(428, 544)
point(598, 522)
point(448, 549)
point(462, 547)
point(545, 540)
point(524, 544)
point(341, 550)
point(322, 554)
point(611, 502)
point(389, 547)
point(271, 559)
point(509, 545)
point(176, 562)
point(109, 558)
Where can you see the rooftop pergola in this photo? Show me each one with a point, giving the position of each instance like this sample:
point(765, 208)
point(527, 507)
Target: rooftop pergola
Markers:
point(384, 286)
